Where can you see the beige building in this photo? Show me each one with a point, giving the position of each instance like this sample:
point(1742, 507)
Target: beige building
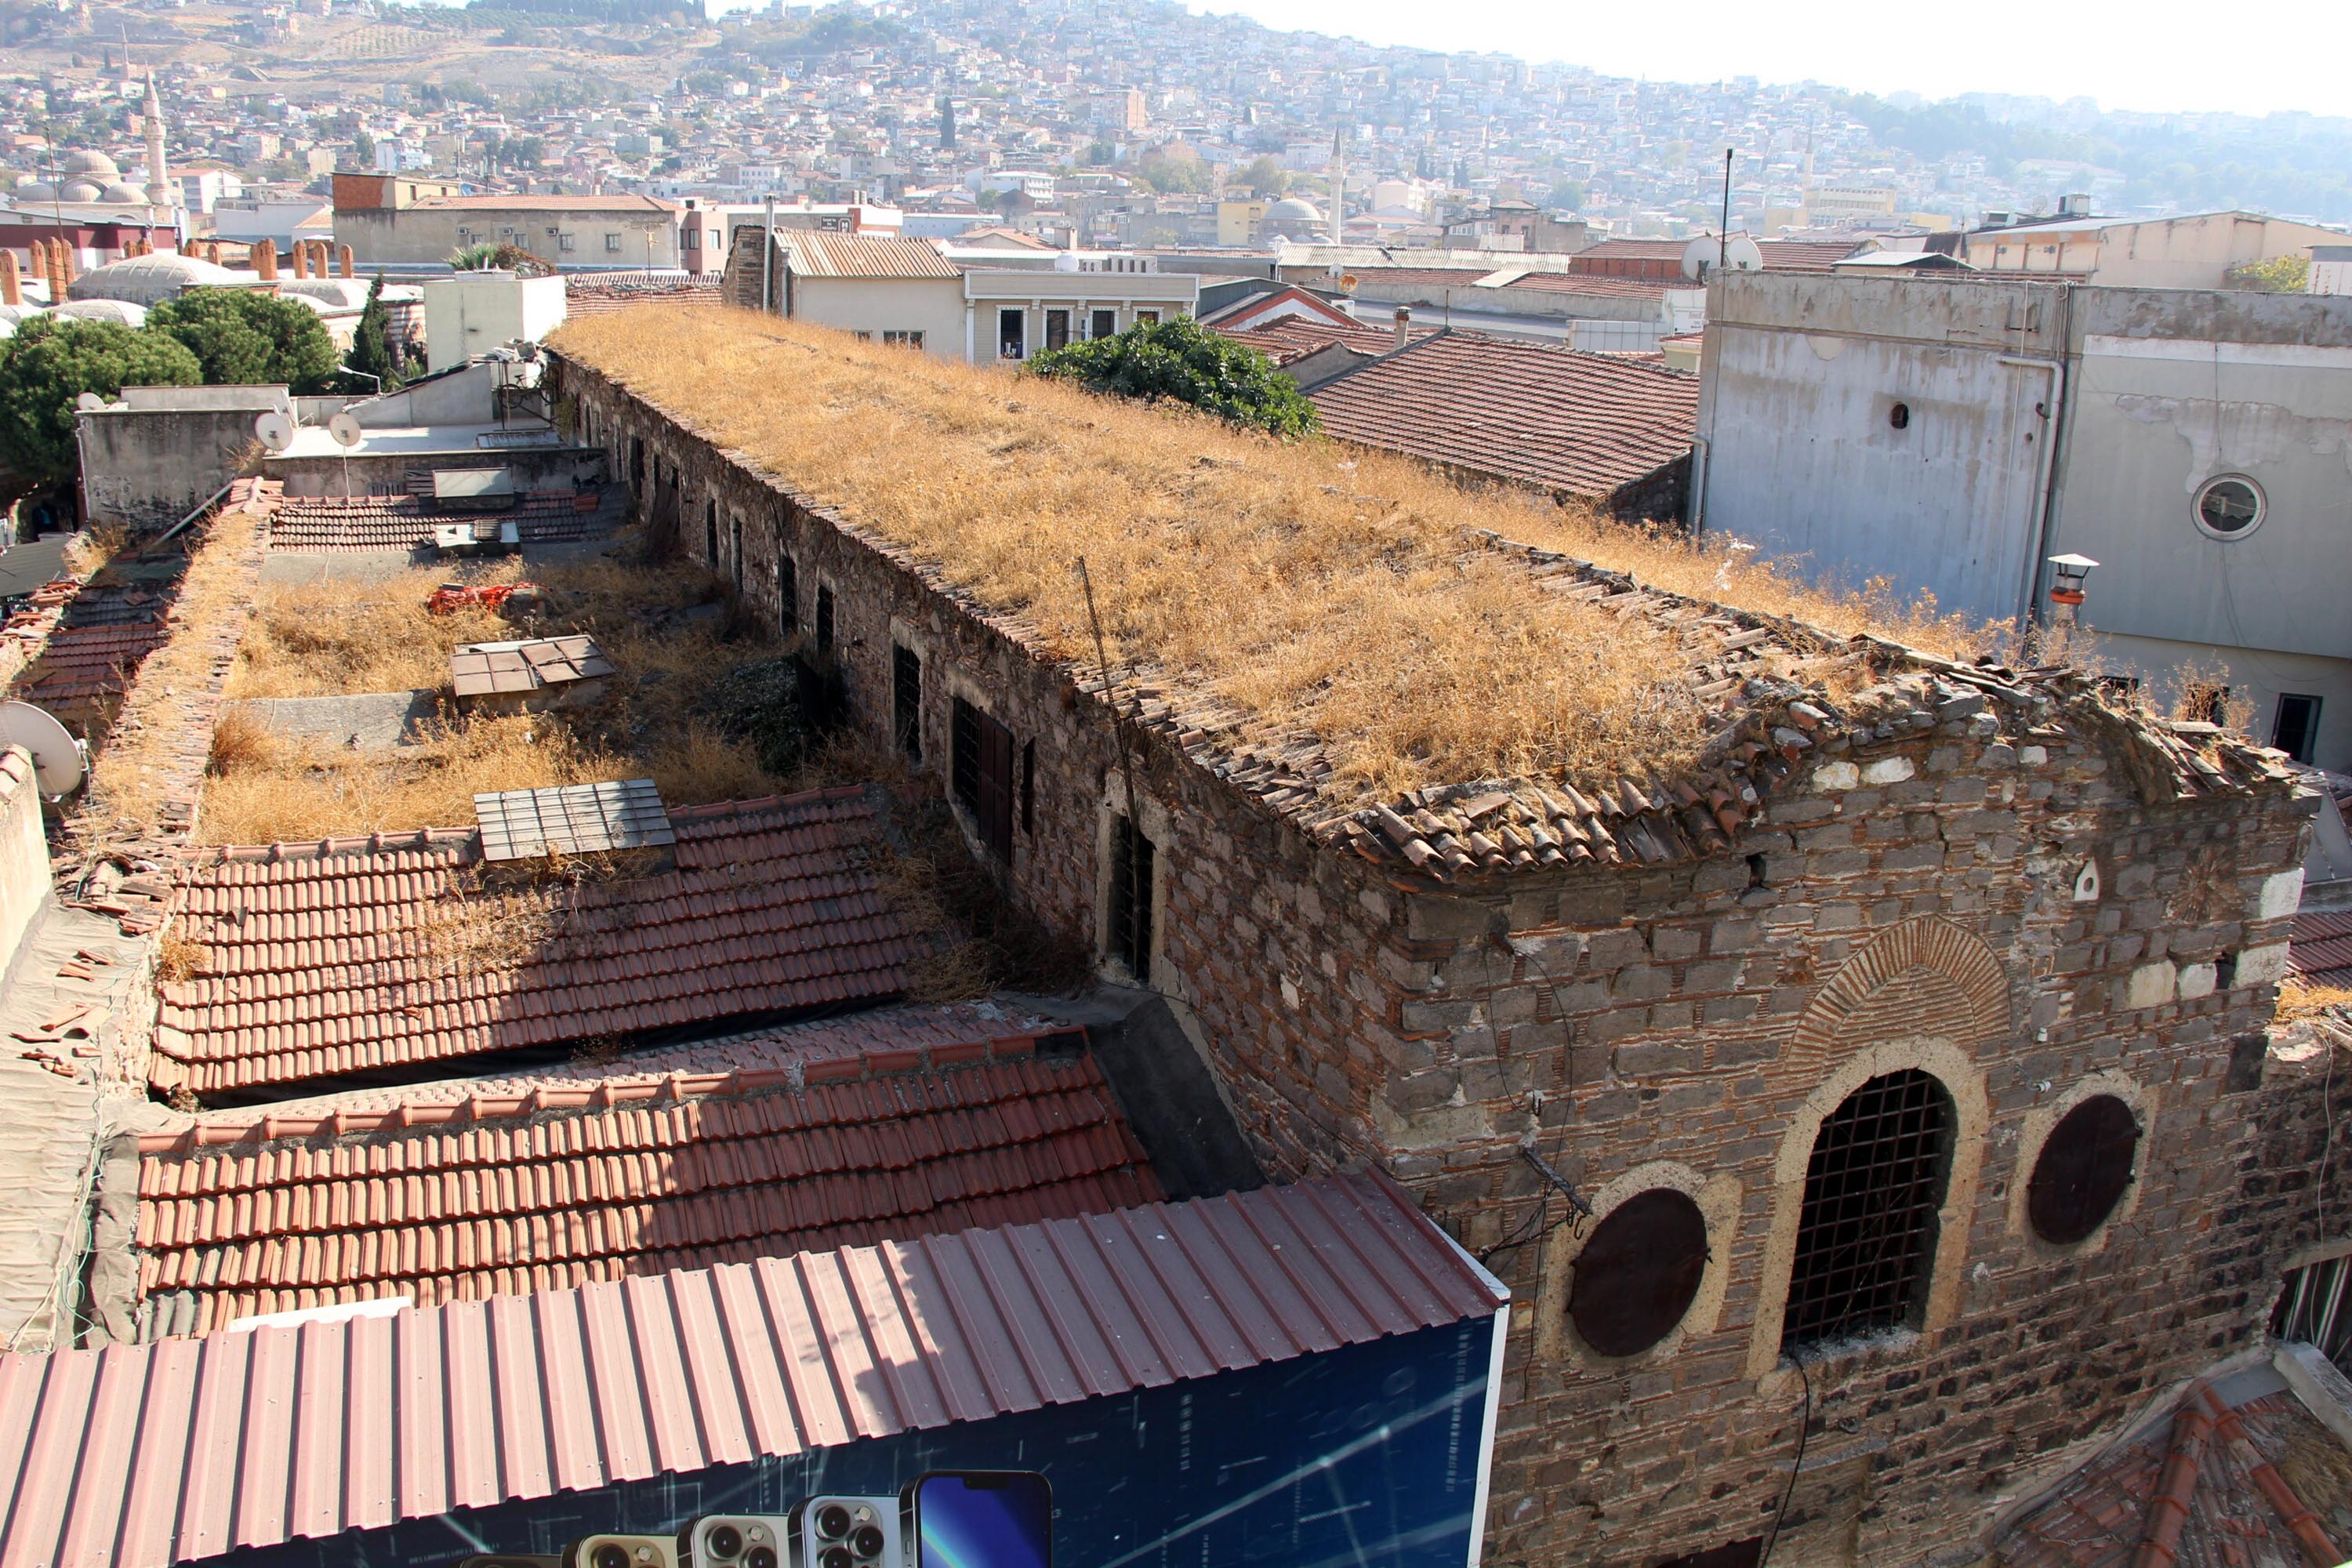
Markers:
point(890, 289)
point(2196, 252)
point(1010, 315)
point(571, 231)
point(1238, 221)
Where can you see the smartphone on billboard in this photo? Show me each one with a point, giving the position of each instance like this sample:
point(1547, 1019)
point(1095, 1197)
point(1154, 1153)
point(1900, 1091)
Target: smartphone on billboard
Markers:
point(736, 1540)
point(844, 1533)
point(980, 1519)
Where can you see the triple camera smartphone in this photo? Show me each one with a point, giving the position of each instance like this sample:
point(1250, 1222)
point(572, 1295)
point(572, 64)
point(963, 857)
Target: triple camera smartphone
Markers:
point(947, 1518)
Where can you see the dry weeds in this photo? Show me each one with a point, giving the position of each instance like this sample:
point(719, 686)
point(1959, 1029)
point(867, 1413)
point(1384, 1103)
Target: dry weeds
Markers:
point(180, 958)
point(1317, 587)
point(2298, 1001)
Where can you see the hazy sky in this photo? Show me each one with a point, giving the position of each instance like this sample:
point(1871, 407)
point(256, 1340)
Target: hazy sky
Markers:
point(2155, 55)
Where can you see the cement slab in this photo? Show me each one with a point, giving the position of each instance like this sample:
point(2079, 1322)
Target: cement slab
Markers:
point(369, 721)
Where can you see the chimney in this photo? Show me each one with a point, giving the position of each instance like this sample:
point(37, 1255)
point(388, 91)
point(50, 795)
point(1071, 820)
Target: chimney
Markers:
point(11, 291)
point(342, 261)
point(301, 259)
point(1403, 324)
point(264, 261)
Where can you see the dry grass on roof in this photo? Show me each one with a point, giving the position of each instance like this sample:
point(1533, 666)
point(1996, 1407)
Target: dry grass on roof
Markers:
point(1320, 588)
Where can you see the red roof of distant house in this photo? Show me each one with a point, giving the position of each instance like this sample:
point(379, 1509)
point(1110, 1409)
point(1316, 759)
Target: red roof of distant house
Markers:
point(1662, 259)
point(144, 1455)
point(504, 1196)
point(1584, 423)
point(407, 521)
point(1601, 288)
point(357, 955)
point(1295, 337)
point(84, 662)
point(595, 293)
point(2320, 950)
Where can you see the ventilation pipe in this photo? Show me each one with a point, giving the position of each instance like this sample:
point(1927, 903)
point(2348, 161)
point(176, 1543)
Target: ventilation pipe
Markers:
point(1403, 324)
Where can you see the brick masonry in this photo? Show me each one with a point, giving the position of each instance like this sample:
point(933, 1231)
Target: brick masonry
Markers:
point(1989, 895)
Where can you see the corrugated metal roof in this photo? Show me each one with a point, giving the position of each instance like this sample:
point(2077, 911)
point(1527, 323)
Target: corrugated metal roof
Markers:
point(820, 255)
point(141, 1457)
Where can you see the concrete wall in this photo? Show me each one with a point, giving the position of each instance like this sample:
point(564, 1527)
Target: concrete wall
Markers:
point(1910, 904)
point(931, 306)
point(473, 312)
point(24, 852)
point(630, 239)
point(150, 468)
point(1802, 376)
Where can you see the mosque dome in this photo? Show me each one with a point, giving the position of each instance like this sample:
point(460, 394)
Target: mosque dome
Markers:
point(151, 279)
point(29, 189)
point(117, 310)
point(96, 165)
point(123, 191)
point(1293, 209)
point(78, 191)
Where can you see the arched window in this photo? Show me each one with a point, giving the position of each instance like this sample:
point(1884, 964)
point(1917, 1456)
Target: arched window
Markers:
point(1867, 1239)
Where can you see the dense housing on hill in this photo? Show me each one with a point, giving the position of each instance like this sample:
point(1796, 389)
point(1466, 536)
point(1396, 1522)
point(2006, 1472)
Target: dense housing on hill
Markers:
point(1866, 1041)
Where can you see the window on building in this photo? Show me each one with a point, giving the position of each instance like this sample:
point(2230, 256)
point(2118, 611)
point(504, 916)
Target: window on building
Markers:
point(2314, 1307)
point(2230, 507)
point(1012, 333)
point(1146, 317)
point(563, 242)
point(1866, 1236)
point(1105, 324)
point(2296, 731)
point(863, 337)
point(824, 619)
point(1899, 417)
point(2082, 1170)
point(905, 340)
point(907, 701)
point(979, 770)
point(1639, 1272)
point(788, 595)
point(735, 528)
point(1128, 934)
point(611, 244)
point(710, 533)
point(1057, 328)
point(1029, 786)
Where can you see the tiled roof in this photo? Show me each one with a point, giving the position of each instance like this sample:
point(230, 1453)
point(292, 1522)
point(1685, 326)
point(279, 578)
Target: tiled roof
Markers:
point(359, 955)
point(1433, 277)
point(84, 663)
point(819, 255)
point(407, 521)
point(525, 664)
point(1601, 287)
point(566, 1186)
point(1295, 337)
point(2320, 952)
point(1583, 422)
point(2198, 1491)
point(145, 1456)
point(594, 294)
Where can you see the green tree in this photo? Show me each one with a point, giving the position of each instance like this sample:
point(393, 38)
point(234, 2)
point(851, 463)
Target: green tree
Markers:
point(1569, 195)
point(50, 362)
point(2279, 275)
point(1265, 177)
point(243, 337)
point(371, 354)
point(1186, 363)
point(363, 150)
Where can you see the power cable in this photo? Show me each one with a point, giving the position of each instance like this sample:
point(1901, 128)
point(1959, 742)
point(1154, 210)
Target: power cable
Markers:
point(1804, 1430)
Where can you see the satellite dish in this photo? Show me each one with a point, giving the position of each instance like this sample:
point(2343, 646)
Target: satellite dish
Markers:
point(90, 403)
point(346, 430)
point(58, 765)
point(1348, 280)
point(1698, 257)
point(274, 430)
point(1743, 255)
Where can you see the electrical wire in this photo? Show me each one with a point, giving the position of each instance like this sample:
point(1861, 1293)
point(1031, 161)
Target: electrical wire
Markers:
point(1804, 1430)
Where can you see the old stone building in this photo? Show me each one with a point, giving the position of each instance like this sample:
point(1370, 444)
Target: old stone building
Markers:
point(1862, 1118)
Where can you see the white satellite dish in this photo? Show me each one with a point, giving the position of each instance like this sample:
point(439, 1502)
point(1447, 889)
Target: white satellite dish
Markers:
point(274, 430)
point(58, 765)
point(1743, 255)
point(90, 403)
point(346, 430)
point(1698, 257)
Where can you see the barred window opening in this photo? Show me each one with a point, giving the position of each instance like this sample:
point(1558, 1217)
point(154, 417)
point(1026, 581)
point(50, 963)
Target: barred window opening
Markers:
point(907, 701)
point(1130, 934)
point(1866, 1237)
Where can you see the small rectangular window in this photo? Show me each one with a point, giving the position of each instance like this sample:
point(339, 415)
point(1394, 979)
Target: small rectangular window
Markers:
point(1029, 787)
point(863, 337)
point(824, 619)
point(613, 244)
point(788, 595)
point(981, 775)
point(1012, 333)
point(1147, 317)
point(1057, 328)
point(735, 526)
point(1131, 858)
point(564, 243)
point(907, 701)
point(905, 340)
point(1105, 324)
point(2296, 732)
point(710, 534)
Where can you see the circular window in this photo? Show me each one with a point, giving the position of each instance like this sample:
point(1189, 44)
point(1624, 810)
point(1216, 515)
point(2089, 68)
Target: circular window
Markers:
point(2082, 1171)
point(2230, 507)
point(1639, 1273)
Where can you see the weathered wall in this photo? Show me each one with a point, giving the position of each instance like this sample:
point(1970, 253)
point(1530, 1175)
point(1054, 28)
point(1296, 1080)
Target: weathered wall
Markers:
point(144, 469)
point(24, 851)
point(1686, 1025)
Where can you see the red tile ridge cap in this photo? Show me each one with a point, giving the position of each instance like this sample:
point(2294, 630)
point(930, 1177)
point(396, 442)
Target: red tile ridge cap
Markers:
point(2167, 1510)
point(718, 808)
point(2273, 1486)
point(897, 1061)
point(209, 855)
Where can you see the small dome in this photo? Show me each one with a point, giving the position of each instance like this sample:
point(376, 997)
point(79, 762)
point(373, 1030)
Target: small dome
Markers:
point(149, 279)
point(97, 166)
point(31, 190)
point(1293, 209)
point(337, 293)
point(117, 310)
point(121, 192)
point(78, 191)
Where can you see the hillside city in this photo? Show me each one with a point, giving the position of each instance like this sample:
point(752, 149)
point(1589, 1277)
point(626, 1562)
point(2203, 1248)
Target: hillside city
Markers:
point(973, 784)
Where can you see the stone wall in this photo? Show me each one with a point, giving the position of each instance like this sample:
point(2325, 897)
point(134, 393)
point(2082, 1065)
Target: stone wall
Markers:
point(1990, 903)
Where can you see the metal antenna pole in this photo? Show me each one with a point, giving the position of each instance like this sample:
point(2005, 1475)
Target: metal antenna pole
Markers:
point(1723, 231)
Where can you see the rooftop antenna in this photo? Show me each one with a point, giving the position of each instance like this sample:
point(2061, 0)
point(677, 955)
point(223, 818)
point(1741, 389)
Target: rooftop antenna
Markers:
point(1723, 231)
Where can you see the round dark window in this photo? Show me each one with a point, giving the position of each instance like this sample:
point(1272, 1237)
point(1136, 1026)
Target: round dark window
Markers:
point(2083, 1168)
point(2229, 506)
point(1899, 417)
point(1639, 1273)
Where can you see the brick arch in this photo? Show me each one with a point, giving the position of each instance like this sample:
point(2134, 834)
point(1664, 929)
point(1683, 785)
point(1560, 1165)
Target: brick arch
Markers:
point(1923, 976)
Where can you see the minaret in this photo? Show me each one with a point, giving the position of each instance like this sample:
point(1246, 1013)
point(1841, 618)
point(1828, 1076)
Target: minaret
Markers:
point(159, 180)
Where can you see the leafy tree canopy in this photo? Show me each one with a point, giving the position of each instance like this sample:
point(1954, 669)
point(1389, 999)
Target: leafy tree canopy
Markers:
point(2279, 275)
point(50, 362)
point(1183, 361)
point(244, 337)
